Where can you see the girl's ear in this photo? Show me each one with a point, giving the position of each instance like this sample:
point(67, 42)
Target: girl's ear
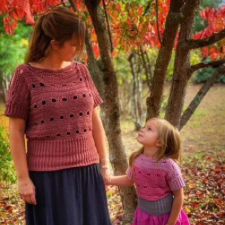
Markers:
point(158, 144)
point(55, 44)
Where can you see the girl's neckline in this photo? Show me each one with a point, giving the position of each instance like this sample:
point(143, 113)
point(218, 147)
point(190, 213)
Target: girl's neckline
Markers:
point(147, 157)
point(43, 70)
point(152, 159)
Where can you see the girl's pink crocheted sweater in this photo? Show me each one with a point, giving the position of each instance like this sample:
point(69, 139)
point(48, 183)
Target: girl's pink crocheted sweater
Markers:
point(57, 107)
point(155, 180)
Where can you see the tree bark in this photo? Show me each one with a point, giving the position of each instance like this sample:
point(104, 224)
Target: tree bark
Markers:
point(204, 65)
point(154, 101)
point(179, 11)
point(93, 67)
point(193, 44)
point(147, 68)
point(199, 96)
point(131, 60)
point(111, 107)
point(181, 72)
point(136, 90)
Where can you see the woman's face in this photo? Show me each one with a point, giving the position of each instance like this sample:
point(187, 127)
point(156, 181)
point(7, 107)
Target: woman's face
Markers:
point(67, 51)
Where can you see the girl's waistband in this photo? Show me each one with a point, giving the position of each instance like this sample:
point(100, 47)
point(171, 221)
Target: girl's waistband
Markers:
point(160, 207)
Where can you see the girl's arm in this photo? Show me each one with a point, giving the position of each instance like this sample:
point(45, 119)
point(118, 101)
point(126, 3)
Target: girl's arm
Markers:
point(176, 208)
point(99, 138)
point(123, 180)
point(18, 151)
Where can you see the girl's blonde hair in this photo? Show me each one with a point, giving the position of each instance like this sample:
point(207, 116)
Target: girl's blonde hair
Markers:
point(169, 137)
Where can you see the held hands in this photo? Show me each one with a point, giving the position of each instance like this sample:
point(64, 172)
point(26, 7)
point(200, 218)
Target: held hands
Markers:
point(27, 190)
point(106, 175)
point(105, 170)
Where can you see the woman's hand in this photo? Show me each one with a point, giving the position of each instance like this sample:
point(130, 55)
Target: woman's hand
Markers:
point(105, 175)
point(27, 190)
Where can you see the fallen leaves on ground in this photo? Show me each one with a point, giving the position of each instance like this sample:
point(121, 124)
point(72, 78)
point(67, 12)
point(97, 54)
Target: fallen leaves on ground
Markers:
point(204, 196)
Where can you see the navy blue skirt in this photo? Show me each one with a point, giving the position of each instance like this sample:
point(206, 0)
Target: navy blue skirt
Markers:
point(74, 196)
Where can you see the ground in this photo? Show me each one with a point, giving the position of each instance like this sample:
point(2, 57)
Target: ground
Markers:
point(202, 163)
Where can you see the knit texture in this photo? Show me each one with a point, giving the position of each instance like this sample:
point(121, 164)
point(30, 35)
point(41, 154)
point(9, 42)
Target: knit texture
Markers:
point(57, 106)
point(155, 180)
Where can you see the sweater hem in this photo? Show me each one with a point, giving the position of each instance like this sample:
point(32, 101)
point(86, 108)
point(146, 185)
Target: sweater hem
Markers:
point(63, 167)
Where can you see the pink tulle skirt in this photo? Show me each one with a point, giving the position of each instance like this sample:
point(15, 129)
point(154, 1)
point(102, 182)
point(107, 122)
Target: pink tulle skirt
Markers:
point(143, 218)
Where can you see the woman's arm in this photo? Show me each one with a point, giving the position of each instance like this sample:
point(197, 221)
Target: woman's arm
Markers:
point(123, 180)
point(176, 208)
point(100, 143)
point(18, 151)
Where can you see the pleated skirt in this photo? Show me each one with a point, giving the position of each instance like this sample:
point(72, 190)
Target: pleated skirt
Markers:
point(74, 196)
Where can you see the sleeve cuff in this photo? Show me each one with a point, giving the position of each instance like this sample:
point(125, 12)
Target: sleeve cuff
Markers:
point(177, 184)
point(97, 100)
point(15, 111)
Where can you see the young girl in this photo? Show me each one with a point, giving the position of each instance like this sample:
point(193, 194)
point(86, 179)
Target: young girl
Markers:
point(156, 175)
point(53, 100)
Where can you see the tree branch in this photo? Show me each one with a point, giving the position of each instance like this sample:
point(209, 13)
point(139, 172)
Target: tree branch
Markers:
point(93, 4)
point(193, 44)
point(157, 21)
point(186, 8)
point(199, 96)
point(204, 65)
point(146, 68)
point(147, 7)
point(73, 5)
point(108, 26)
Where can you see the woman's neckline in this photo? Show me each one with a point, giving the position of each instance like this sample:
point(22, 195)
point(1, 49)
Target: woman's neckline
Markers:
point(62, 70)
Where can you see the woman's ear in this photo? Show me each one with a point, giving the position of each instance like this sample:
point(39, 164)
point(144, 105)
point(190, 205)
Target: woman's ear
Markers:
point(55, 44)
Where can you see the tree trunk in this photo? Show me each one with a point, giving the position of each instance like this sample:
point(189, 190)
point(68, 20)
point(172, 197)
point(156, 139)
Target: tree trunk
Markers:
point(172, 23)
point(93, 67)
point(131, 60)
point(181, 72)
point(111, 107)
point(138, 99)
point(136, 108)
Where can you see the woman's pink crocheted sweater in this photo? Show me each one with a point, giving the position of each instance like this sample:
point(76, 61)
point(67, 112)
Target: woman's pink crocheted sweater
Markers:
point(57, 106)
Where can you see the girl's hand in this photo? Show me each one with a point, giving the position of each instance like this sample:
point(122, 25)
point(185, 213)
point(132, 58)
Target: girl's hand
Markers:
point(27, 190)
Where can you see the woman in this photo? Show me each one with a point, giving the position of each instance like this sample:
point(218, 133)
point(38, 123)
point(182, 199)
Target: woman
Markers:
point(53, 100)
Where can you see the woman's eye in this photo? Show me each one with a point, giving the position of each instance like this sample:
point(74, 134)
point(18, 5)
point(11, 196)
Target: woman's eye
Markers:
point(149, 128)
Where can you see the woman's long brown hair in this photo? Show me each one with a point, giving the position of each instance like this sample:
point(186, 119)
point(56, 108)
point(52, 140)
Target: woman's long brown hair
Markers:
point(60, 25)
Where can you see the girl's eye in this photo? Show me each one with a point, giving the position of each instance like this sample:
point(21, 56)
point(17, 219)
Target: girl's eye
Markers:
point(149, 128)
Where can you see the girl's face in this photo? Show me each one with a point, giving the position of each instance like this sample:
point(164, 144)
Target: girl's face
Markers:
point(148, 135)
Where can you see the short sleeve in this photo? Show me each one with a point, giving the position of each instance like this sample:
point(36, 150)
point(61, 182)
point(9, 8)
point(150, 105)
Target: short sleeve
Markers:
point(91, 86)
point(18, 96)
point(174, 177)
point(129, 173)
